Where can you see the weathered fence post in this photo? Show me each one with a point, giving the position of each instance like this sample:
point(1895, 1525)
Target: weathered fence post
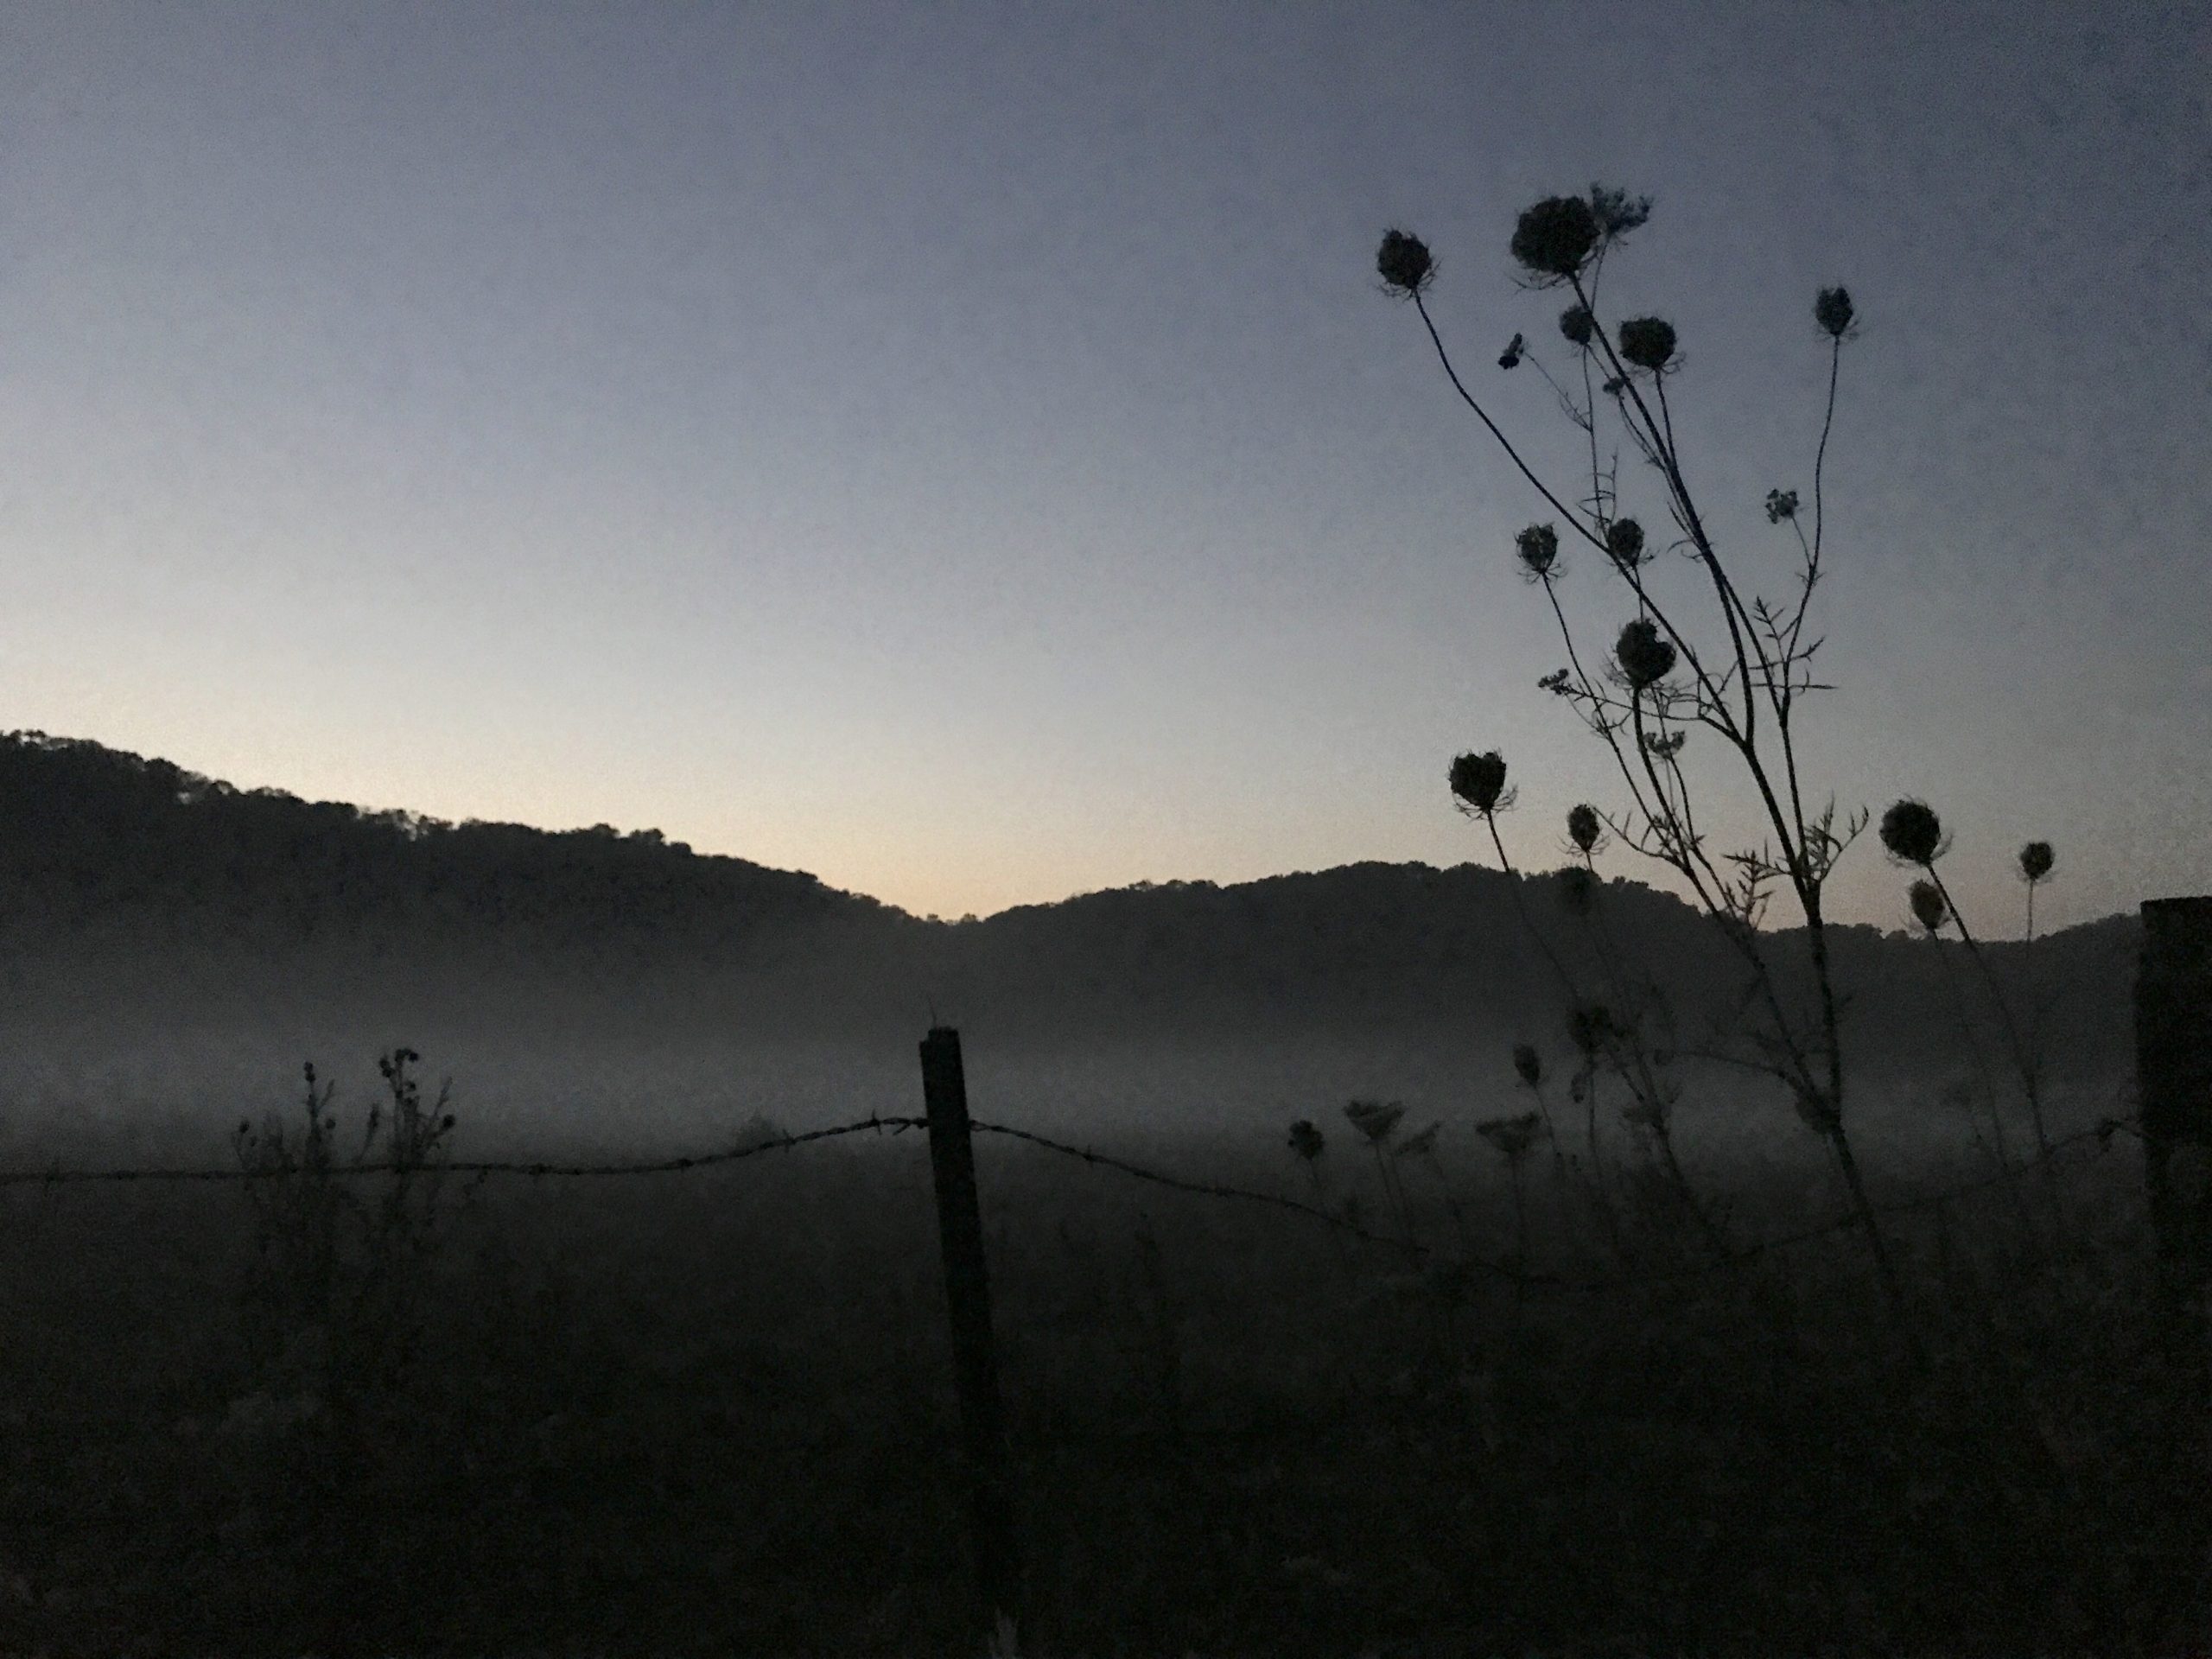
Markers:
point(2173, 1068)
point(975, 1355)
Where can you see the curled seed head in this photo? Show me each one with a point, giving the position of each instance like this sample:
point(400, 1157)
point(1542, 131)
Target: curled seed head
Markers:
point(1645, 659)
point(1648, 342)
point(1306, 1140)
point(1374, 1118)
point(1588, 1025)
point(1582, 827)
point(1781, 504)
point(1404, 263)
point(1928, 906)
point(1538, 547)
point(1913, 832)
point(1832, 310)
point(1624, 541)
point(1577, 324)
point(2035, 861)
point(1555, 239)
point(1479, 780)
point(1528, 1064)
point(1512, 1136)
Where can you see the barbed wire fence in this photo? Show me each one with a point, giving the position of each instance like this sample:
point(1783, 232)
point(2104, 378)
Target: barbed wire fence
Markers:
point(879, 1124)
point(949, 1130)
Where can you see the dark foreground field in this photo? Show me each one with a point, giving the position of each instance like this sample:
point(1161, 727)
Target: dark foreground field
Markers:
point(710, 1414)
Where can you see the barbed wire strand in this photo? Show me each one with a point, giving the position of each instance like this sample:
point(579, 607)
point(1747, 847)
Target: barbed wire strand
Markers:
point(877, 1124)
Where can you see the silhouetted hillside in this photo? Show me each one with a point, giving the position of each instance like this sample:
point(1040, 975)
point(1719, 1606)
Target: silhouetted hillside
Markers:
point(137, 895)
point(91, 832)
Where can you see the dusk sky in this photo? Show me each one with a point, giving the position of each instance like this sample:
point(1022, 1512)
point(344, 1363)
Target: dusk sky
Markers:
point(963, 452)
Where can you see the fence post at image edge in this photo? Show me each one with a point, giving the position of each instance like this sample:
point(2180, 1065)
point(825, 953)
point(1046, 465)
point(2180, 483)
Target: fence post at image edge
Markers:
point(2173, 1069)
point(975, 1355)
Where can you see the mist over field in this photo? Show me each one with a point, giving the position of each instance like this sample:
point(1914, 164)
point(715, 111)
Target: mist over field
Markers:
point(174, 949)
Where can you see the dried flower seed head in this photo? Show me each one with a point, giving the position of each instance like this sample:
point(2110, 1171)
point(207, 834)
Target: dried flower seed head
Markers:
point(1928, 906)
point(1588, 1025)
point(1306, 1140)
point(1528, 1064)
point(1510, 356)
point(1422, 1143)
point(1781, 504)
point(1512, 1136)
point(1479, 780)
point(1644, 658)
point(1648, 342)
point(1577, 324)
point(1404, 264)
point(2035, 861)
point(1617, 212)
point(1833, 312)
point(1374, 1118)
point(1913, 833)
point(1538, 547)
point(1582, 827)
point(1624, 541)
point(1555, 239)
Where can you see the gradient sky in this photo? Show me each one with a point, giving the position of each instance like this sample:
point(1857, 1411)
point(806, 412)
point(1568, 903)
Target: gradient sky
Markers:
point(962, 451)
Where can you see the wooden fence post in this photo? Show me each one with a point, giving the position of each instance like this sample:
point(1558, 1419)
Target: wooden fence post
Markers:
point(975, 1355)
point(2173, 1068)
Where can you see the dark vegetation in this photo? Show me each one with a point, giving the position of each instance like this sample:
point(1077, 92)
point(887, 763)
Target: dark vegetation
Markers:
point(709, 1414)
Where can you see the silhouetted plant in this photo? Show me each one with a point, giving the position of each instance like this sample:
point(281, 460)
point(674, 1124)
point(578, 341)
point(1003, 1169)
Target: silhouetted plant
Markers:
point(1648, 342)
point(1914, 834)
point(2035, 861)
point(1514, 1138)
point(1746, 694)
point(1538, 546)
point(1307, 1145)
point(1931, 910)
point(1376, 1121)
point(1583, 829)
point(343, 1240)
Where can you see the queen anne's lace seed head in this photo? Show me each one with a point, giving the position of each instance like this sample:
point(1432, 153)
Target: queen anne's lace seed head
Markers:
point(1537, 548)
point(1645, 658)
point(1913, 832)
point(1479, 780)
point(1404, 263)
point(1928, 908)
point(1833, 311)
point(1648, 342)
point(1375, 1119)
point(1527, 1064)
point(1555, 239)
point(1582, 827)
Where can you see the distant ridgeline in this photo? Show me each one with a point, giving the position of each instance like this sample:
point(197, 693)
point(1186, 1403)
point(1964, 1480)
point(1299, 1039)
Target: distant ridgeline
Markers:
point(129, 884)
